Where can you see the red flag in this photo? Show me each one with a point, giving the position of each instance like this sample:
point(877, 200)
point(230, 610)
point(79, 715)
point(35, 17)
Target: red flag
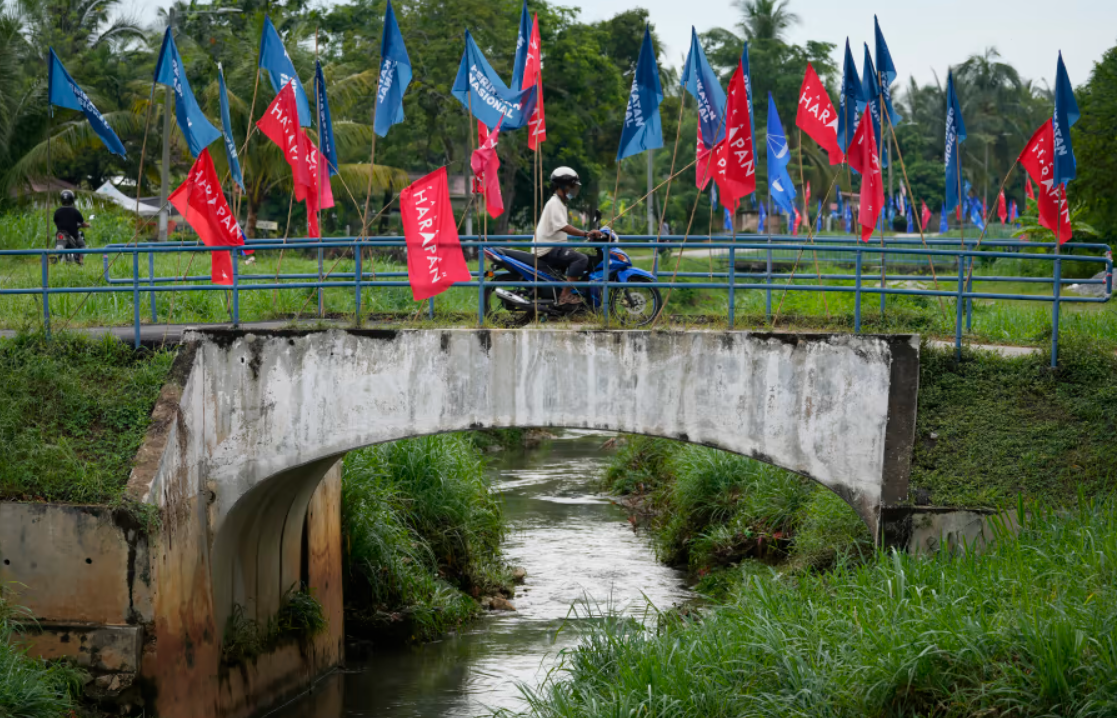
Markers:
point(533, 75)
point(735, 158)
point(926, 216)
point(486, 166)
point(1038, 161)
point(798, 219)
point(816, 116)
point(200, 201)
point(280, 124)
point(864, 159)
point(703, 165)
point(1002, 207)
point(434, 252)
point(1028, 188)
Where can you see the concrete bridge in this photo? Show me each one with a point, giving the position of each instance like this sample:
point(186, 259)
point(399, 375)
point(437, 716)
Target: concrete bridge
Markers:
point(244, 452)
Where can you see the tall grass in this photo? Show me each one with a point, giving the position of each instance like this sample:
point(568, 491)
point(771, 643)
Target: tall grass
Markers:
point(73, 412)
point(422, 535)
point(1027, 629)
point(30, 687)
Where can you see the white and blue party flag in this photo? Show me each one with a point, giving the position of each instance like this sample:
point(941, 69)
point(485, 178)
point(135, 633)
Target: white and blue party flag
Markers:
point(780, 186)
point(1066, 114)
point(955, 135)
point(481, 91)
point(395, 75)
point(870, 88)
point(642, 130)
point(887, 70)
point(326, 144)
point(849, 101)
point(975, 213)
point(523, 38)
point(700, 81)
point(196, 128)
point(274, 59)
point(227, 130)
point(728, 220)
point(64, 92)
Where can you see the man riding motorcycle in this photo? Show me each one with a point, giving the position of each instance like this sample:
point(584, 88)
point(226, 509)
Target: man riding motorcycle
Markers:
point(69, 222)
point(554, 226)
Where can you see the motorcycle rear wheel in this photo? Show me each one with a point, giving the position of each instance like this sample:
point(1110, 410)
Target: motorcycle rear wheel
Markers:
point(498, 312)
point(634, 306)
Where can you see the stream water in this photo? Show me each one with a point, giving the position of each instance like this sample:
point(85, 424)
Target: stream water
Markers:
point(576, 547)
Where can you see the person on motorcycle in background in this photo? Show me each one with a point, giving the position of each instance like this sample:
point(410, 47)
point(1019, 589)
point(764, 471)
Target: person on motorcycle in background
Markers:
point(69, 221)
point(554, 226)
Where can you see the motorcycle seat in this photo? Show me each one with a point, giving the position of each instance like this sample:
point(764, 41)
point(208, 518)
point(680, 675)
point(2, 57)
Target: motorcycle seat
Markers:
point(529, 259)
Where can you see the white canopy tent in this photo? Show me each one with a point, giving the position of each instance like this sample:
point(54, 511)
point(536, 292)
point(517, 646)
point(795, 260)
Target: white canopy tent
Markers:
point(110, 192)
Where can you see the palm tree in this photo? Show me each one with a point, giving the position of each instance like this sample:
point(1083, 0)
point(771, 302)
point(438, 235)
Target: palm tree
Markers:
point(74, 26)
point(765, 19)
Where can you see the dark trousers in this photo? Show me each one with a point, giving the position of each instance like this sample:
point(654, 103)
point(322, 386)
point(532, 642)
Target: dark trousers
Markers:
point(572, 263)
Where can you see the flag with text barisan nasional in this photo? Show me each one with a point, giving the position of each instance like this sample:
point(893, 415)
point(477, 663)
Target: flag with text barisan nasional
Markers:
point(62, 91)
point(196, 128)
point(736, 156)
point(484, 94)
point(702, 83)
point(280, 69)
point(434, 251)
point(955, 136)
point(533, 77)
point(486, 169)
point(1038, 160)
point(642, 129)
point(395, 75)
point(817, 117)
point(280, 125)
point(202, 204)
point(850, 102)
point(1066, 114)
point(227, 130)
point(864, 158)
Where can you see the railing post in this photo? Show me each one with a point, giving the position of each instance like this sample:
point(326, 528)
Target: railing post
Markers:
point(768, 281)
point(236, 289)
point(46, 294)
point(857, 293)
point(733, 283)
point(136, 297)
point(151, 276)
point(357, 276)
point(959, 305)
point(605, 283)
point(1055, 308)
point(883, 278)
point(321, 302)
point(430, 310)
point(481, 286)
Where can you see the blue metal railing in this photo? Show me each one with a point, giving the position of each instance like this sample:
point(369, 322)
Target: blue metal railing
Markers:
point(941, 254)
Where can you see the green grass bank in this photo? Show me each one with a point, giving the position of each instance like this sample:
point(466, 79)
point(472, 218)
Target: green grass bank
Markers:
point(31, 687)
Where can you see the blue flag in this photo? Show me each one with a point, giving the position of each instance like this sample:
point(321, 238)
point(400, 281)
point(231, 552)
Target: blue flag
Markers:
point(198, 131)
point(848, 217)
point(642, 129)
point(728, 220)
point(481, 91)
point(818, 219)
point(887, 70)
point(763, 220)
point(1066, 114)
point(955, 135)
point(911, 222)
point(64, 92)
point(395, 75)
point(326, 144)
point(841, 210)
point(780, 187)
point(975, 213)
point(849, 101)
point(714, 195)
point(944, 226)
point(274, 59)
point(748, 89)
point(870, 89)
point(227, 131)
point(523, 38)
point(703, 85)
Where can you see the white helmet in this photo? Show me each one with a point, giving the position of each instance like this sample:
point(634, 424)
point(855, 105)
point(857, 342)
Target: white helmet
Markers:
point(565, 177)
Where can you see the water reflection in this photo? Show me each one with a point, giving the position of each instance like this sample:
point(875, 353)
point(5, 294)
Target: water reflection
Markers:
point(576, 547)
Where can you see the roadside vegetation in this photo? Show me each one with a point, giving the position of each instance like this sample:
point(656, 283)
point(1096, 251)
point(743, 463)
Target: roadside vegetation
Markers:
point(421, 534)
point(31, 687)
point(73, 412)
point(300, 617)
point(1024, 629)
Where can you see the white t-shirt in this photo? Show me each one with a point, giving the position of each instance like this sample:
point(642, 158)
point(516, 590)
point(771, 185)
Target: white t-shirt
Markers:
point(555, 216)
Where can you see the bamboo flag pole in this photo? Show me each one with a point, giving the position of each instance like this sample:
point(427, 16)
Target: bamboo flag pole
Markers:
point(1004, 182)
point(880, 143)
point(667, 196)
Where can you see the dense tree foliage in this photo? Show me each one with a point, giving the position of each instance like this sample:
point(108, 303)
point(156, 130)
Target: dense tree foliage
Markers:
point(587, 73)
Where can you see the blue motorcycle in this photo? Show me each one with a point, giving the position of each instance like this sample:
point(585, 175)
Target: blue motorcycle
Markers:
point(631, 305)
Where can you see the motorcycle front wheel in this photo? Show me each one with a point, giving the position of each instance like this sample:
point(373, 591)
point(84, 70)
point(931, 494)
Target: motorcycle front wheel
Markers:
point(633, 305)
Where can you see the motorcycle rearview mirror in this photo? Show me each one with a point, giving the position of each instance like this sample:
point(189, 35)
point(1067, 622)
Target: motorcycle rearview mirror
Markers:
point(596, 217)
